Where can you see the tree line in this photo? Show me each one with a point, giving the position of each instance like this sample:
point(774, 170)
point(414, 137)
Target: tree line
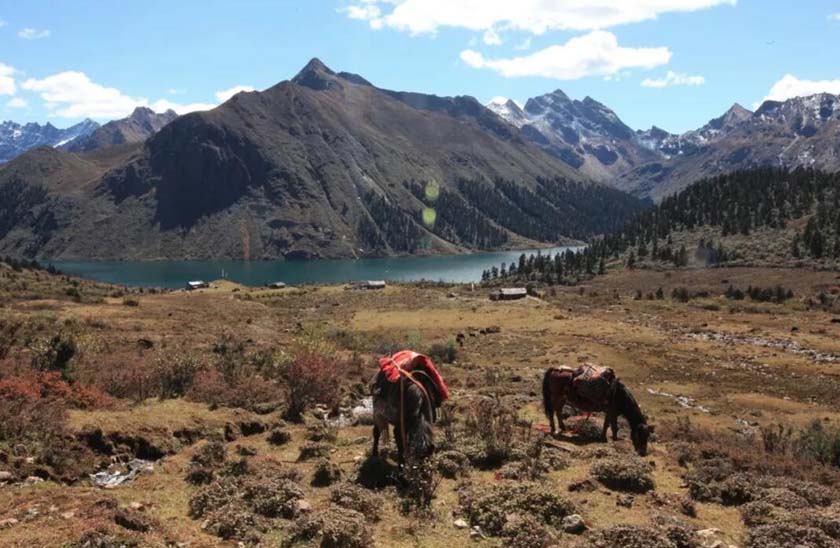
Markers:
point(736, 203)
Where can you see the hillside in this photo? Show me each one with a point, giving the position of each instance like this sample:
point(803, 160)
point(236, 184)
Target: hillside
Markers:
point(587, 135)
point(136, 128)
point(201, 387)
point(15, 139)
point(324, 165)
point(765, 217)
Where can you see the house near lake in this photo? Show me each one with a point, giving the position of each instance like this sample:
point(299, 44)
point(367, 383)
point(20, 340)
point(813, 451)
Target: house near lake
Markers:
point(276, 285)
point(196, 284)
point(374, 284)
point(509, 294)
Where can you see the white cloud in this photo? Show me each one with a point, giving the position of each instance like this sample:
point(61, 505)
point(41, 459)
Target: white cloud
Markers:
point(492, 38)
point(834, 17)
point(2, 23)
point(226, 94)
point(672, 78)
point(594, 54)
point(365, 12)
point(790, 86)
point(535, 16)
point(525, 44)
point(34, 34)
point(162, 105)
point(72, 94)
point(7, 83)
point(176, 91)
point(17, 102)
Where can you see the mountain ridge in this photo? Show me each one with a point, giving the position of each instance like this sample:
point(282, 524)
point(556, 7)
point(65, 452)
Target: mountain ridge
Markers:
point(322, 165)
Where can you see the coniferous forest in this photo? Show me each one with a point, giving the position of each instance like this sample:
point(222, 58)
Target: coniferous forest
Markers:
point(795, 212)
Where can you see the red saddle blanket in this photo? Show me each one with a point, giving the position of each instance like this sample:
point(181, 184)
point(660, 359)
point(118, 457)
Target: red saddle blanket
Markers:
point(593, 382)
point(409, 360)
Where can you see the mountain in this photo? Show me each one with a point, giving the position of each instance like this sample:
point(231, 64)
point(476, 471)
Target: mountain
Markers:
point(139, 126)
point(15, 139)
point(584, 134)
point(323, 165)
point(799, 132)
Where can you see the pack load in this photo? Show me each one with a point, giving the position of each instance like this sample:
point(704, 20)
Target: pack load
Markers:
point(409, 360)
point(593, 382)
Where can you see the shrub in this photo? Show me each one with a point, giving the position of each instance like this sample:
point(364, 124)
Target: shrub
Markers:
point(175, 374)
point(452, 464)
point(311, 449)
point(443, 352)
point(312, 378)
point(494, 424)
point(820, 444)
point(279, 436)
point(624, 473)
point(347, 495)
point(322, 431)
point(130, 302)
point(488, 507)
point(326, 473)
point(26, 413)
point(210, 454)
point(247, 390)
point(337, 527)
point(631, 536)
point(784, 535)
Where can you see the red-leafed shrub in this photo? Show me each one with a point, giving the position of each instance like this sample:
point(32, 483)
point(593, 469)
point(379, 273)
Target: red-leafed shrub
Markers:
point(27, 413)
point(312, 377)
point(246, 389)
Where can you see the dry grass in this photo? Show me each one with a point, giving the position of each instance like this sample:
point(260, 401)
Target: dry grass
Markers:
point(651, 344)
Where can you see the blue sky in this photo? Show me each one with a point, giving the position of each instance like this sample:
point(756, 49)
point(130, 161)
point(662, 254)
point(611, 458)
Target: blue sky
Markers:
point(62, 61)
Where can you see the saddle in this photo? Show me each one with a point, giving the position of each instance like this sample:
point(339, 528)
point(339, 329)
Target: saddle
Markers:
point(409, 361)
point(593, 382)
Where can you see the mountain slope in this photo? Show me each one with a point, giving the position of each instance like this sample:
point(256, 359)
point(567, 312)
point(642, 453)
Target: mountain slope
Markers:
point(799, 132)
point(139, 126)
point(584, 134)
point(323, 165)
point(15, 139)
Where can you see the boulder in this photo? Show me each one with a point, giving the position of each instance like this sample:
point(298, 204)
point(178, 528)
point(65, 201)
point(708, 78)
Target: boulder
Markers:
point(574, 524)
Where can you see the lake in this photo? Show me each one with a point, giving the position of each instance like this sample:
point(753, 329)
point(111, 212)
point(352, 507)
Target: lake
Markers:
point(175, 274)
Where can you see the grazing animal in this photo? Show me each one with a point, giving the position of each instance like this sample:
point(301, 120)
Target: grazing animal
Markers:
point(558, 388)
point(409, 404)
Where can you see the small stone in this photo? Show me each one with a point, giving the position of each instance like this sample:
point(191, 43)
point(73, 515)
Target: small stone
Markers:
point(136, 505)
point(574, 524)
point(624, 500)
point(476, 533)
point(460, 524)
point(68, 515)
point(304, 506)
point(6, 476)
point(32, 480)
point(8, 522)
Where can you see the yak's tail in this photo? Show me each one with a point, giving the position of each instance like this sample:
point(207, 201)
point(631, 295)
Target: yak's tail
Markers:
point(546, 392)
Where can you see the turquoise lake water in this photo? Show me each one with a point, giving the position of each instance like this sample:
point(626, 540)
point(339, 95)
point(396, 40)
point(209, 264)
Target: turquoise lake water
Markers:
point(174, 274)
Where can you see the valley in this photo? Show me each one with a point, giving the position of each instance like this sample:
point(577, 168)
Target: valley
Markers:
point(715, 377)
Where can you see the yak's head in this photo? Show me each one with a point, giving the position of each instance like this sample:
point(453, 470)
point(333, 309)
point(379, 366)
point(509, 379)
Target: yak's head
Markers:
point(422, 441)
point(640, 436)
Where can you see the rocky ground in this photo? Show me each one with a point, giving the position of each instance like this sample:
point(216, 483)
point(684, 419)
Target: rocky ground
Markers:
point(187, 399)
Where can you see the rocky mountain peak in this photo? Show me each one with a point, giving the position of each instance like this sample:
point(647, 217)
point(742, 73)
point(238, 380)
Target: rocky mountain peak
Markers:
point(316, 75)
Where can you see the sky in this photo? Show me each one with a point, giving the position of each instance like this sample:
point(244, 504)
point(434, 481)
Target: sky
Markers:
point(670, 63)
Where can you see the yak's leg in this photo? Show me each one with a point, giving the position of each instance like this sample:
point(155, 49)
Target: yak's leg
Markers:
point(400, 448)
point(614, 426)
point(376, 432)
point(558, 409)
point(606, 425)
point(551, 420)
